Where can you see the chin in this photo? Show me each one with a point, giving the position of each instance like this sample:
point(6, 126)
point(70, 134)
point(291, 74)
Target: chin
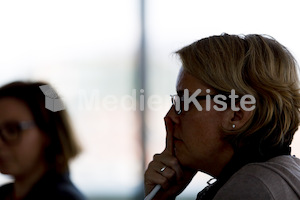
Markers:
point(183, 160)
point(186, 162)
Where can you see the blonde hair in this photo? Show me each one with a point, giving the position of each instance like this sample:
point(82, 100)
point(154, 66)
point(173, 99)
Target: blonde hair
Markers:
point(256, 65)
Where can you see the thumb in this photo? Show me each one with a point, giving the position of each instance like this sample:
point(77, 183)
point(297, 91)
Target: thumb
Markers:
point(169, 137)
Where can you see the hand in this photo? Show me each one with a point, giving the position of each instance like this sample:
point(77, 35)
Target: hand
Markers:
point(174, 178)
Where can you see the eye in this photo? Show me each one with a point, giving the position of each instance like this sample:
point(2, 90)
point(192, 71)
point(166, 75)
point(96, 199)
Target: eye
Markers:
point(11, 130)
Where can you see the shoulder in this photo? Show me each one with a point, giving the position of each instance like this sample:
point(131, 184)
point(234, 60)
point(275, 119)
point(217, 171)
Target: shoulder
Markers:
point(278, 178)
point(68, 191)
point(56, 186)
point(243, 186)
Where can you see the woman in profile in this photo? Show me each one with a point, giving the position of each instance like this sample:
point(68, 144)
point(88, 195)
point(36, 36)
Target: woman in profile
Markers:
point(36, 146)
point(246, 150)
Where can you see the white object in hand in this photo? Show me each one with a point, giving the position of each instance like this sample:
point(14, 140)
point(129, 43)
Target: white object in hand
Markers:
point(153, 192)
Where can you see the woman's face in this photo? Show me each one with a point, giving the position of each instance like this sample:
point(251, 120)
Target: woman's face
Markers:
point(197, 134)
point(24, 154)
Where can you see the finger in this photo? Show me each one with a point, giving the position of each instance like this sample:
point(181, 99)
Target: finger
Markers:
point(154, 176)
point(164, 170)
point(158, 179)
point(170, 163)
point(173, 164)
point(169, 173)
point(157, 163)
point(169, 138)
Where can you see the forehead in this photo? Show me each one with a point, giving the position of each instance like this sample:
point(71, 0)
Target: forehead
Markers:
point(186, 81)
point(14, 109)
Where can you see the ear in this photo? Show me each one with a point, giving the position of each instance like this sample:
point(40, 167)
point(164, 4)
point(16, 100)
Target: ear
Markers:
point(236, 119)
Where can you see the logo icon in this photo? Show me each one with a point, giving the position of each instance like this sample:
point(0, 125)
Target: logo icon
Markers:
point(52, 100)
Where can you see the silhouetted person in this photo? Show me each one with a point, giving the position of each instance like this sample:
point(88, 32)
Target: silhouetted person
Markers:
point(245, 147)
point(36, 145)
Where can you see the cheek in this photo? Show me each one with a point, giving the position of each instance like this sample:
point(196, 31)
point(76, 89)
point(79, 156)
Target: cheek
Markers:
point(200, 121)
point(30, 150)
point(201, 129)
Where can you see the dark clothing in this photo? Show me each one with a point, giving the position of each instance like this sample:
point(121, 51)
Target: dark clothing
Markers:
point(52, 186)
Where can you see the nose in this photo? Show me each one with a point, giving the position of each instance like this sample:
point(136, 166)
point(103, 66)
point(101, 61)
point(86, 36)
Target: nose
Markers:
point(173, 116)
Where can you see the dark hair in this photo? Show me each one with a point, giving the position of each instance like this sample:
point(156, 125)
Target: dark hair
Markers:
point(62, 146)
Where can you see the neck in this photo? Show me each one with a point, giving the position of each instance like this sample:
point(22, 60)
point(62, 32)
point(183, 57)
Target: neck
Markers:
point(24, 183)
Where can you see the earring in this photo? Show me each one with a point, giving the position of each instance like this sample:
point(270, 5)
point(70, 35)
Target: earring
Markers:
point(233, 125)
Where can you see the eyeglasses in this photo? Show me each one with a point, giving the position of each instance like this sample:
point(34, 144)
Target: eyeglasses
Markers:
point(178, 102)
point(10, 131)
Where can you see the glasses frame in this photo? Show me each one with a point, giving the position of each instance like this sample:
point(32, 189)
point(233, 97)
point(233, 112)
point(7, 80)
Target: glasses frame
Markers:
point(22, 126)
point(181, 98)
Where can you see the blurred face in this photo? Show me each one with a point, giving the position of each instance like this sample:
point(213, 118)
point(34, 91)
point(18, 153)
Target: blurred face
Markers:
point(21, 144)
point(197, 134)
